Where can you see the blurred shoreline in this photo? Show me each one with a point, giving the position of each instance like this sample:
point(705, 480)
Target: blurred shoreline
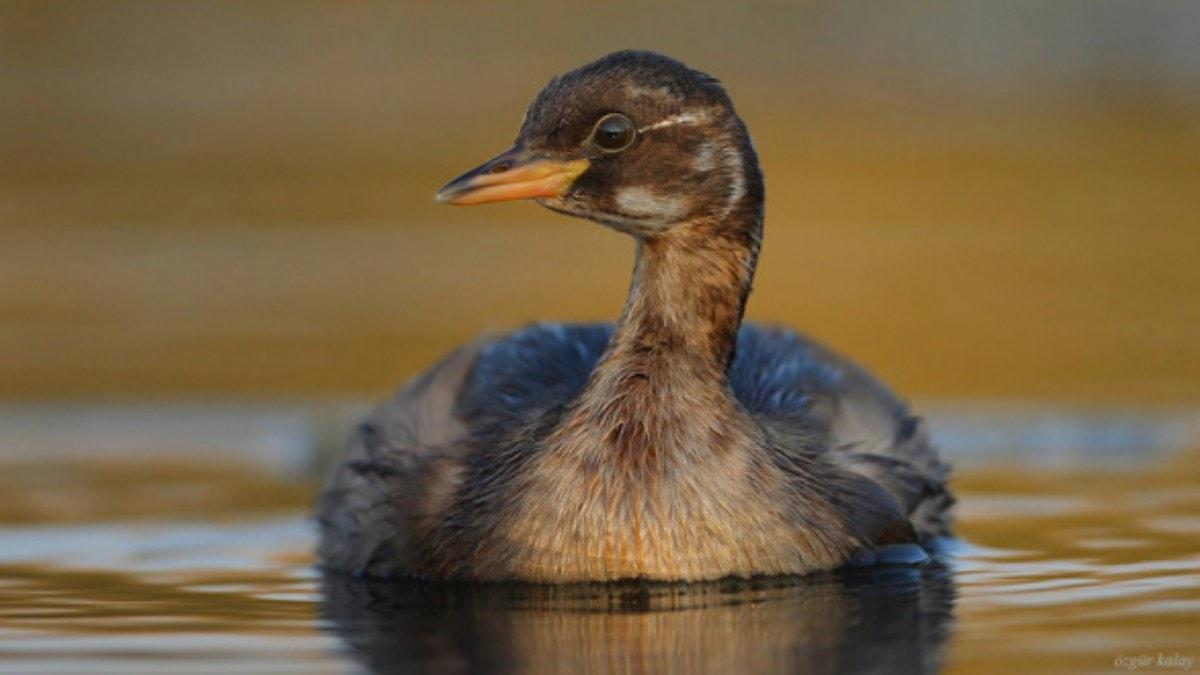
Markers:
point(298, 438)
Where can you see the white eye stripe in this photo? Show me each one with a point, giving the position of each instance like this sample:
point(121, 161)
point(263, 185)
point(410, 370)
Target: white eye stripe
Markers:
point(682, 118)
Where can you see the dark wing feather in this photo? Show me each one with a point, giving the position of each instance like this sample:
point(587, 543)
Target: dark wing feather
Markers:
point(796, 387)
point(519, 377)
point(365, 510)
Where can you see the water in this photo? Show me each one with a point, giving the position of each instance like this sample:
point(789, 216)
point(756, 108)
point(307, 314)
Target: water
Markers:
point(1068, 561)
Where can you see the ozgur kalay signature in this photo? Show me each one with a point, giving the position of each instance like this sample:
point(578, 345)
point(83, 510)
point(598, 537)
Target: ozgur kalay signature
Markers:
point(1174, 661)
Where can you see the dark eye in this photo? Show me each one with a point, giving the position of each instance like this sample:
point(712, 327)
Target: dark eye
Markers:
point(613, 133)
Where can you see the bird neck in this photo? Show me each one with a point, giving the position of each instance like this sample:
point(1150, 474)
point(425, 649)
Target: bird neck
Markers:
point(687, 297)
point(661, 387)
point(671, 349)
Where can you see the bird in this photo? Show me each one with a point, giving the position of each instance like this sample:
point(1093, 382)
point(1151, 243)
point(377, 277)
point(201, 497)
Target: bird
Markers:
point(677, 444)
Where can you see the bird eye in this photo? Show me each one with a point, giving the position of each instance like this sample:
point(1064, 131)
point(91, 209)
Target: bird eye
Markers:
point(613, 133)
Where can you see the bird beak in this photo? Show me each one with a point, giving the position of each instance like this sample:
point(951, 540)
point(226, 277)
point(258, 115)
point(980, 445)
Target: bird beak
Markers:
point(514, 174)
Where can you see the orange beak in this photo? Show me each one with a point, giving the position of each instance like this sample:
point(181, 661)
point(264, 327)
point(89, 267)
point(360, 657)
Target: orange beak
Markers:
point(512, 175)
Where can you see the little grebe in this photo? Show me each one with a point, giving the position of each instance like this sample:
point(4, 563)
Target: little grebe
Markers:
point(677, 444)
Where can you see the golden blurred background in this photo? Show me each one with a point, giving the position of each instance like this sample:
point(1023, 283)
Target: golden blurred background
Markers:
point(979, 200)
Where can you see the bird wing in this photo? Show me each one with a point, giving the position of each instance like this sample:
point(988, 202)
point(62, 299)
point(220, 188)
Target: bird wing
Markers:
point(404, 452)
point(795, 386)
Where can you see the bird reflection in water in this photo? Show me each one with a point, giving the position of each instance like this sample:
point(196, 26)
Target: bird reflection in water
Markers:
point(870, 620)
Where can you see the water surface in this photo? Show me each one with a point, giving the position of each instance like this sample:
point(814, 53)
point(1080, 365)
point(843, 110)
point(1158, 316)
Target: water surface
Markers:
point(204, 565)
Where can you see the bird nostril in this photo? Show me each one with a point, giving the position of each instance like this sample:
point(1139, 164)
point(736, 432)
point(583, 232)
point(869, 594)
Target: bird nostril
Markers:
point(500, 167)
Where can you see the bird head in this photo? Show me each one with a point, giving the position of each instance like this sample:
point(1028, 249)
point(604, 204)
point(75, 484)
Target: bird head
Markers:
point(635, 140)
